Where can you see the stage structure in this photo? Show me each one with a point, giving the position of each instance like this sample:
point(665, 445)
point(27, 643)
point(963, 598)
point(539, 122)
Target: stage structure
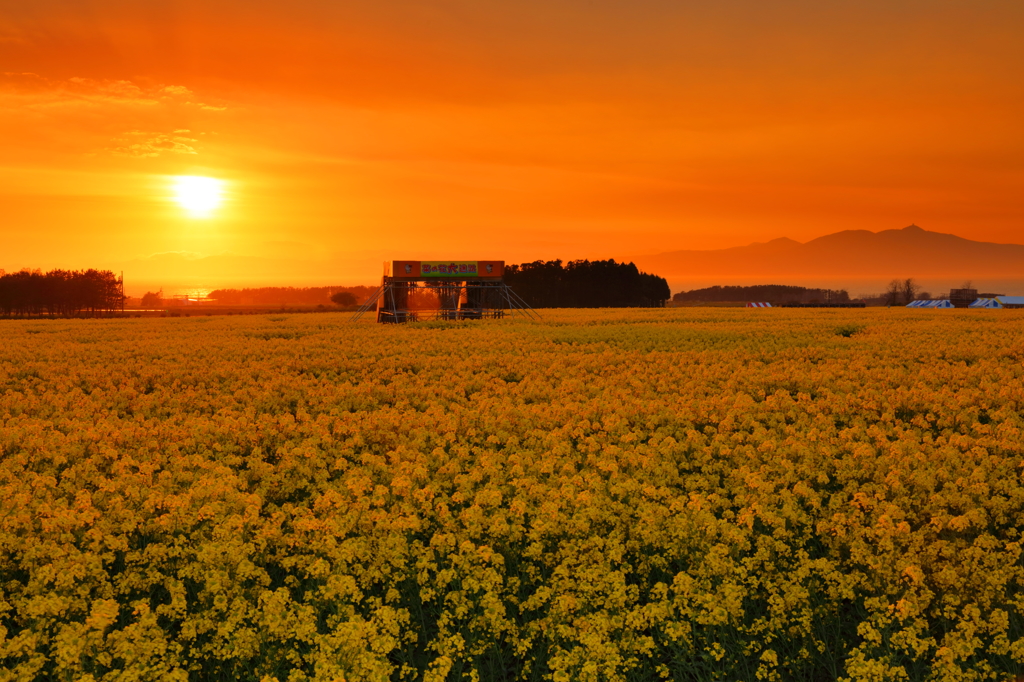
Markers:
point(444, 290)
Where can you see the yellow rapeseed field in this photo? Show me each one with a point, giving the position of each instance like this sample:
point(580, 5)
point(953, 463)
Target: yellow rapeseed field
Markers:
point(686, 494)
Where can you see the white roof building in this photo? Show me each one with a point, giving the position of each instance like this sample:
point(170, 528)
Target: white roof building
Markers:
point(1011, 301)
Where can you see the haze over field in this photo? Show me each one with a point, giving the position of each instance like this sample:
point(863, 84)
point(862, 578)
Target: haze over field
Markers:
point(859, 261)
point(306, 142)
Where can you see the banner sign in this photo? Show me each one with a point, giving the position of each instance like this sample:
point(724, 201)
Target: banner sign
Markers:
point(457, 269)
point(437, 268)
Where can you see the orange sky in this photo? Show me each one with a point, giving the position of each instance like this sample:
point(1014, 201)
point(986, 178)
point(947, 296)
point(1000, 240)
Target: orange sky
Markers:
point(349, 132)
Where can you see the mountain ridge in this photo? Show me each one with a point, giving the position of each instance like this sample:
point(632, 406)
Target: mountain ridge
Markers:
point(908, 252)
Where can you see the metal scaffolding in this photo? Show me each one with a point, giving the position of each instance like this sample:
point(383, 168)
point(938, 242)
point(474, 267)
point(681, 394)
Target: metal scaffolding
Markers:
point(401, 299)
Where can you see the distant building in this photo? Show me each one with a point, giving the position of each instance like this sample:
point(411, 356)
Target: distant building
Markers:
point(962, 298)
point(1011, 301)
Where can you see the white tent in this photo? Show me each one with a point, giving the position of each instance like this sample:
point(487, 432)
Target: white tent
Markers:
point(942, 303)
point(759, 305)
point(986, 303)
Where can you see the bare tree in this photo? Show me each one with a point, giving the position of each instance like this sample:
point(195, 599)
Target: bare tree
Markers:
point(910, 289)
point(893, 292)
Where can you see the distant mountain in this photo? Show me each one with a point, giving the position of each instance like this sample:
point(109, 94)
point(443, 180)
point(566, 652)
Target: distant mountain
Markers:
point(851, 254)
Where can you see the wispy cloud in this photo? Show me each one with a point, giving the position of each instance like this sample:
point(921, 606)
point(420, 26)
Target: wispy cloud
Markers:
point(35, 90)
point(38, 90)
point(177, 90)
point(143, 144)
point(159, 118)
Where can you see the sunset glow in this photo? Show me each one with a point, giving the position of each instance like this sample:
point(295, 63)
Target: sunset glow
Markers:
point(199, 196)
point(359, 132)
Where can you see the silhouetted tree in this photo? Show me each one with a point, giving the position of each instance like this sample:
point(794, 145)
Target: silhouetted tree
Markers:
point(894, 292)
point(909, 290)
point(153, 299)
point(586, 284)
point(343, 298)
point(264, 296)
point(776, 294)
point(901, 291)
point(59, 292)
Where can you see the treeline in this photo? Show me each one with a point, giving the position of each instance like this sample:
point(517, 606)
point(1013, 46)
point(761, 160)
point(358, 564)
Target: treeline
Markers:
point(586, 284)
point(63, 293)
point(776, 294)
point(287, 295)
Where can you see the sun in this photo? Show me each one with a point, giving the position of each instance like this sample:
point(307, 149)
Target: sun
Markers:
point(198, 195)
